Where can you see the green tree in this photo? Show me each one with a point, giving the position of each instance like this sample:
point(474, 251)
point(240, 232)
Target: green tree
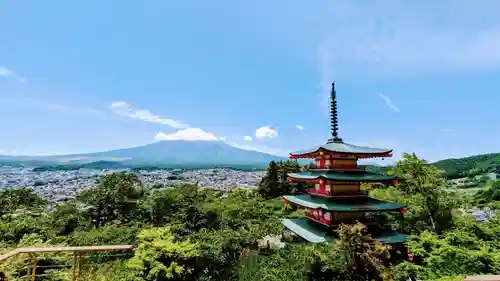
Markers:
point(115, 197)
point(421, 188)
point(269, 185)
point(286, 186)
point(275, 182)
point(162, 256)
point(365, 259)
point(490, 193)
point(12, 199)
point(67, 217)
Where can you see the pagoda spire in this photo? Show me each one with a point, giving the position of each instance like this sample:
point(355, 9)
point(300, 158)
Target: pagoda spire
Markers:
point(334, 123)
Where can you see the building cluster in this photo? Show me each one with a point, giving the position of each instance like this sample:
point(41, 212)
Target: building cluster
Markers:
point(61, 184)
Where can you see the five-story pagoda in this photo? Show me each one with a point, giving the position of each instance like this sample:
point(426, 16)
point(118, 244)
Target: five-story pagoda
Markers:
point(336, 196)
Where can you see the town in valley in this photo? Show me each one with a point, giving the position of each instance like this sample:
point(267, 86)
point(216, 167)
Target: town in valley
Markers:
point(62, 184)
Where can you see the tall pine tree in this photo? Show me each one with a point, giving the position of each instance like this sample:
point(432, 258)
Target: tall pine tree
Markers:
point(275, 182)
point(269, 185)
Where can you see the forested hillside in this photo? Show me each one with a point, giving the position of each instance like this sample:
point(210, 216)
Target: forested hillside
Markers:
point(469, 166)
point(186, 233)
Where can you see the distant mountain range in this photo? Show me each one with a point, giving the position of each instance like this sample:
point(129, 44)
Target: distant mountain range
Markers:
point(210, 154)
point(163, 154)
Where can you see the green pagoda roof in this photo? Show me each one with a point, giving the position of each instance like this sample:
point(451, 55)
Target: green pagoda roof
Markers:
point(316, 234)
point(343, 205)
point(304, 229)
point(342, 147)
point(342, 176)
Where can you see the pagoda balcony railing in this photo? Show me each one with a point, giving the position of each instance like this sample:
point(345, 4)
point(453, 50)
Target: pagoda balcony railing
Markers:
point(369, 222)
point(325, 168)
point(36, 257)
point(346, 194)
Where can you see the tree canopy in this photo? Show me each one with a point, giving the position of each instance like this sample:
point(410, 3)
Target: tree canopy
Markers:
point(187, 233)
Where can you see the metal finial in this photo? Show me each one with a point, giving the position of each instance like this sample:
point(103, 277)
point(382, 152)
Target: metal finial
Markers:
point(334, 123)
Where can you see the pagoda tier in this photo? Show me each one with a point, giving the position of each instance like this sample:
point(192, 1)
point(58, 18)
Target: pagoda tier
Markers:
point(333, 212)
point(329, 183)
point(332, 176)
point(367, 204)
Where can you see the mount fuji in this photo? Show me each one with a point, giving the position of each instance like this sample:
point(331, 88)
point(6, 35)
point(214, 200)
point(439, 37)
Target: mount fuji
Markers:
point(159, 154)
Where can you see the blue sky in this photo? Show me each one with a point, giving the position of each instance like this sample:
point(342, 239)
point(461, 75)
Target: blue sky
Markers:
point(81, 76)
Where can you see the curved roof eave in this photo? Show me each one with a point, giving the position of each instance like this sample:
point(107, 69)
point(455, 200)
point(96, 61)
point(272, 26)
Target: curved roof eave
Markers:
point(343, 148)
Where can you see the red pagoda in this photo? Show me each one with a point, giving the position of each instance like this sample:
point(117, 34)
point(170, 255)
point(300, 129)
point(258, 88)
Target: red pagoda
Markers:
point(336, 196)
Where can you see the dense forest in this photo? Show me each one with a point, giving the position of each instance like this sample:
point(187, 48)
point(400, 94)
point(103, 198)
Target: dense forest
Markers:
point(187, 233)
point(469, 166)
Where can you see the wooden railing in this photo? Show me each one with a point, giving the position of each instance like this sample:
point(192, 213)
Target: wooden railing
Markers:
point(78, 252)
point(483, 278)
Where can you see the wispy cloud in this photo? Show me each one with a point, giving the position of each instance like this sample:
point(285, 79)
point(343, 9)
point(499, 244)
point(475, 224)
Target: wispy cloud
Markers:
point(388, 101)
point(7, 73)
point(393, 38)
point(124, 109)
point(247, 138)
point(30, 103)
point(300, 127)
point(185, 132)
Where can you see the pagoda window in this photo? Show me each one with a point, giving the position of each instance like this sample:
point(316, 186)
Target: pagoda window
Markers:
point(315, 214)
point(328, 189)
point(327, 218)
point(317, 187)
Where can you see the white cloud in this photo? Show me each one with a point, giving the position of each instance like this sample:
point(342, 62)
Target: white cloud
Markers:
point(266, 132)
point(124, 109)
point(189, 134)
point(300, 127)
point(247, 138)
point(5, 72)
point(388, 101)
